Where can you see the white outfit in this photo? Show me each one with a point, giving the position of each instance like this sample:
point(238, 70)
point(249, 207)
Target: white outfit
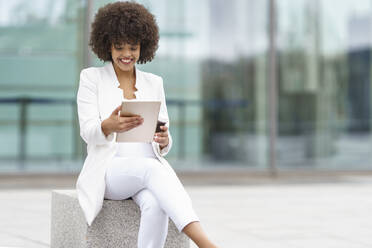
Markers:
point(156, 190)
point(122, 170)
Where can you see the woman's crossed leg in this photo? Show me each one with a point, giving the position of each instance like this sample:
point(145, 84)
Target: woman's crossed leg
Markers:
point(158, 192)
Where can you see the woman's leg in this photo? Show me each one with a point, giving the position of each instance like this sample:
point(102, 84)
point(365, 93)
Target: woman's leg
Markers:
point(163, 182)
point(154, 221)
point(165, 186)
point(123, 180)
point(196, 233)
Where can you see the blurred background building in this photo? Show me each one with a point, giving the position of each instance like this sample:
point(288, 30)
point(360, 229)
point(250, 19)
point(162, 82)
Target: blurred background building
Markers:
point(214, 56)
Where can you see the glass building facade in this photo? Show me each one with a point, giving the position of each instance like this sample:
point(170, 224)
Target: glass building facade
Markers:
point(214, 57)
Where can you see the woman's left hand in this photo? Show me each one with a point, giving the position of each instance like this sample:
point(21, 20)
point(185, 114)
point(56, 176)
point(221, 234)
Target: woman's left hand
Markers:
point(162, 137)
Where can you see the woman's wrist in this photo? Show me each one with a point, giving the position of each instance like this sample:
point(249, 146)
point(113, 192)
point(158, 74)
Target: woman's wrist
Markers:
point(161, 146)
point(105, 128)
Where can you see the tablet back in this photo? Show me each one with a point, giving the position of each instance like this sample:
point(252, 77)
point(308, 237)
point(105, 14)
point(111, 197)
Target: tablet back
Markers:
point(149, 110)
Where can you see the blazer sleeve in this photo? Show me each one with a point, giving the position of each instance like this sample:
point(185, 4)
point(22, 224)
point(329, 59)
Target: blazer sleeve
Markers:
point(87, 106)
point(164, 117)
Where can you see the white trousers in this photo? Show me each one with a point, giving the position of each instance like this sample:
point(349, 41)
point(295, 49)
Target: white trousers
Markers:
point(156, 189)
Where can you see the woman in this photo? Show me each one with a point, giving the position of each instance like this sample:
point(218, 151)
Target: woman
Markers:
point(123, 34)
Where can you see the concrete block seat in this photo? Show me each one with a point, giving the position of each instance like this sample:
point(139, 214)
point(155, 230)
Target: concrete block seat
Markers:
point(116, 225)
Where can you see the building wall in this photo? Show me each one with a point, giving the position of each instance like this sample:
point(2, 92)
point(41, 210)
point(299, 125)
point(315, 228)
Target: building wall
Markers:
point(213, 59)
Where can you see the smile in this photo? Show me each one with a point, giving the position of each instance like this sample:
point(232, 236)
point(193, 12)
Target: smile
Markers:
point(126, 61)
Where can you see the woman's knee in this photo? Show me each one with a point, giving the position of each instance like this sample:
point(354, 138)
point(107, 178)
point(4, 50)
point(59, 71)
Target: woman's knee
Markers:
point(155, 167)
point(148, 203)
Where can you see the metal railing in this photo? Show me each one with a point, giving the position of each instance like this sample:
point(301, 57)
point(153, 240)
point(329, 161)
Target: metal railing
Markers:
point(23, 121)
point(181, 105)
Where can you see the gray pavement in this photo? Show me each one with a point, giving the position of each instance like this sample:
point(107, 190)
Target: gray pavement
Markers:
point(270, 215)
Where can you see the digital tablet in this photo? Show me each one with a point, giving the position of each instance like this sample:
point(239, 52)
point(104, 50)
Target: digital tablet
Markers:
point(149, 111)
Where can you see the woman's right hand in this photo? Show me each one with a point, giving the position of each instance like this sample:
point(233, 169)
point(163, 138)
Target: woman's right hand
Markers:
point(116, 123)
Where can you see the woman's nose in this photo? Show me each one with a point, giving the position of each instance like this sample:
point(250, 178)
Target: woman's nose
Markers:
point(127, 53)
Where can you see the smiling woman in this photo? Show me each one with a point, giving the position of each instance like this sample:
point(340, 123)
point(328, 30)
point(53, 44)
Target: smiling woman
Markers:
point(123, 34)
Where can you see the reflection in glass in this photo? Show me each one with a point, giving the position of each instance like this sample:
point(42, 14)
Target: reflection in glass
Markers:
point(213, 59)
point(324, 84)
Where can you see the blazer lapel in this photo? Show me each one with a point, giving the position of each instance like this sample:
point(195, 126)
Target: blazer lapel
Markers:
point(108, 94)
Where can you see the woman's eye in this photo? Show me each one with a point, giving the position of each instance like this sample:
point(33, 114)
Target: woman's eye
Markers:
point(134, 48)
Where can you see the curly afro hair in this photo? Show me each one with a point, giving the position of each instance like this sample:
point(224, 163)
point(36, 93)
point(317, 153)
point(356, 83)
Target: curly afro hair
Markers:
point(127, 22)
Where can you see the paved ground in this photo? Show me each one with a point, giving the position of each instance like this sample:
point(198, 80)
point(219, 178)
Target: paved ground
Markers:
point(268, 215)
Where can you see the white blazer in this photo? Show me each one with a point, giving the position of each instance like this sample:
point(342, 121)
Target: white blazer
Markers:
point(97, 97)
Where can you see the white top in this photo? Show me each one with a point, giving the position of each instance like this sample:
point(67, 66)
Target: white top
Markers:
point(134, 149)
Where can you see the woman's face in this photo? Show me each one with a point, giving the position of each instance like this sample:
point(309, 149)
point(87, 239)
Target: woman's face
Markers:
point(125, 55)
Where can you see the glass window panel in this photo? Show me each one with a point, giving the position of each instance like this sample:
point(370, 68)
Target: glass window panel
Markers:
point(40, 57)
point(324, 84)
